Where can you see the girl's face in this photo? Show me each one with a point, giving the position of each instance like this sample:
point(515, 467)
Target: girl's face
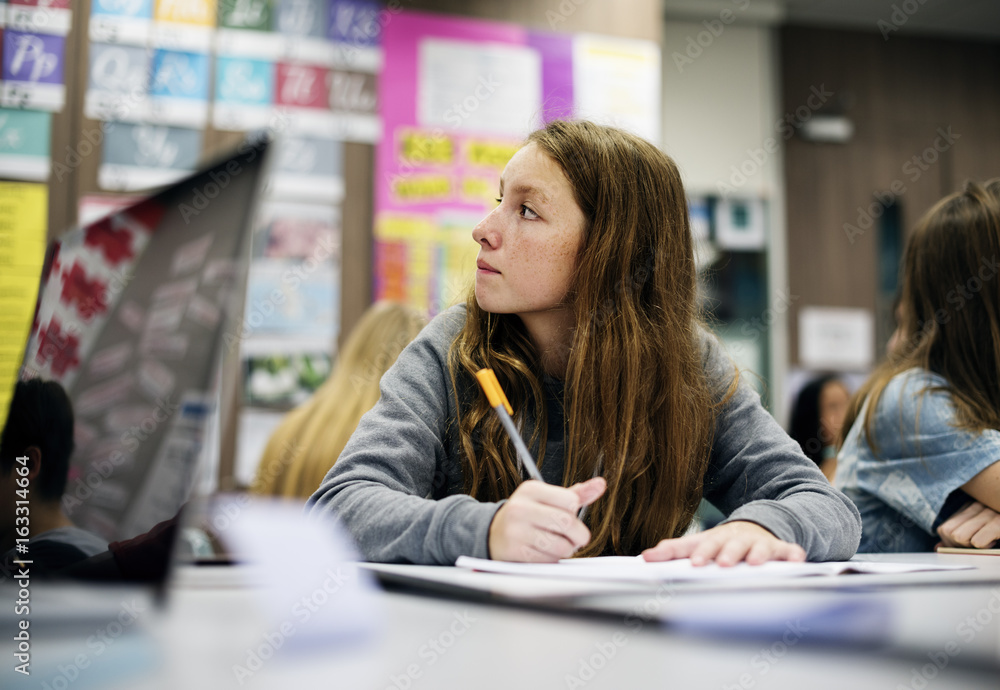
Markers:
point(528, 244)
point(833, 403)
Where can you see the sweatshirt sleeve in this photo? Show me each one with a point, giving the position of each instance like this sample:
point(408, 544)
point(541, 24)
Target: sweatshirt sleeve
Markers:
point(759, 474)
point(381, 486)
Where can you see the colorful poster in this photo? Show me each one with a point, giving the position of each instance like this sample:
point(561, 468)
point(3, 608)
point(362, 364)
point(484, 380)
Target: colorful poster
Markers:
point(33, 70)
point(617, 82)
point(356, 30)
point(297, 232)
point(286, 300)
point(307, 168)
point(244, 93)
point(282, 380)
point(353, 92)
point(354, 102)
point(303, 26)
point(245, 30)
point(456, 97)
point(39, 16)
point(24, 144)
point(139, 156)
point(23, 225)
point(118, 85)
point(183, 24)
point(246, 15)
point(301, 18)
point(355, 22)
point(179, 88)
point(302, 86)
point(121, 21)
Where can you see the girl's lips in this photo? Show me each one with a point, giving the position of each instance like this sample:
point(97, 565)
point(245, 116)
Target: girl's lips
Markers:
point(485, 267)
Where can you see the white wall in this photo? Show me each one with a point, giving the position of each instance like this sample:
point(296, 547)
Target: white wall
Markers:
point(718, 104)
point(721, 109)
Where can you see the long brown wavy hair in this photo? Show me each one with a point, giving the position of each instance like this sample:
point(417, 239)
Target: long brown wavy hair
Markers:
point(638, 408)
point(950, 310)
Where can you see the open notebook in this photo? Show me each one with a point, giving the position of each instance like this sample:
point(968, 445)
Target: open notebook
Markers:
point(638, 570)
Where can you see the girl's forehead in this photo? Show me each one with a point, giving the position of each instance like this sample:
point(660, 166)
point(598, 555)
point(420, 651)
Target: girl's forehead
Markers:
point(532, 168)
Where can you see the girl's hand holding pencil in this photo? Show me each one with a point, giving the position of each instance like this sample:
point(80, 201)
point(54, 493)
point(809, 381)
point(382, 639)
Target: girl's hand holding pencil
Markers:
point(539, 523)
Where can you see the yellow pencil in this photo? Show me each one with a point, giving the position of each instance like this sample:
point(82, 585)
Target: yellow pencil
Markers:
point(498, 401)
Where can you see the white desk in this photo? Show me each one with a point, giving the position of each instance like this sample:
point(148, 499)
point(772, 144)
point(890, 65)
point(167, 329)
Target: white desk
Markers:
point(209, 625)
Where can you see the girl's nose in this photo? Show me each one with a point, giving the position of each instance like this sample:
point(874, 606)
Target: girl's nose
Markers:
point(486, 232)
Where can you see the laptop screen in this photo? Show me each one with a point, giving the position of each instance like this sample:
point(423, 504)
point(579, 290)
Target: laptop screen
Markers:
point(134, 315)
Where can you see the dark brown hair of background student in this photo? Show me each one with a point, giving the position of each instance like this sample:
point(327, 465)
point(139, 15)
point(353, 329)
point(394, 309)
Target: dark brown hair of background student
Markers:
point(806, 426)
point(950, 309)
point(40, 415)
point(636, 398)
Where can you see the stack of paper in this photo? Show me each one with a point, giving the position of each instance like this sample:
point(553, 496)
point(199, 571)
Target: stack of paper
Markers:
point(637, 569)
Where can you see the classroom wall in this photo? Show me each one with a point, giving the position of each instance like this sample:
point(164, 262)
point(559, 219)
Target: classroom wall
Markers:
point(629, 18)
point(718, 104)
point(898, 93)
point(720, 107)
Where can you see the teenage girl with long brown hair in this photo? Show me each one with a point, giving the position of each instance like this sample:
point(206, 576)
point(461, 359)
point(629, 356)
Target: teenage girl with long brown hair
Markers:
point(923, 439)
point(584, 306)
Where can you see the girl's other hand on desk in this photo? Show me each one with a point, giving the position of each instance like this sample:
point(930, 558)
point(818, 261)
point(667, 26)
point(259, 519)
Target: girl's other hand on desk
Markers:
point(727, 544)
point(974, 526)
point(539, 524)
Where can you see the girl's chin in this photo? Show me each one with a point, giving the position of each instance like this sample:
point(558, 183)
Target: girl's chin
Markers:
point(490, 305)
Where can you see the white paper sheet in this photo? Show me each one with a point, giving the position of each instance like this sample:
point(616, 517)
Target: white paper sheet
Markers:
point(479, 87)
point(636, 569)
point(836, 338)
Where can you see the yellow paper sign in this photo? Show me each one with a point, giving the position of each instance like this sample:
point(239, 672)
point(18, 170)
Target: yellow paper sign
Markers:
point(418, 188)
point(490, 154)
point(197, 12)
point(421, 147)
point(391, 227)
point(480, 190)
point(23, 221)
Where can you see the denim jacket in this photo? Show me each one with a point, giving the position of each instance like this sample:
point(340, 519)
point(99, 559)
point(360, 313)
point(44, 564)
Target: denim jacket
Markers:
point(913, 484)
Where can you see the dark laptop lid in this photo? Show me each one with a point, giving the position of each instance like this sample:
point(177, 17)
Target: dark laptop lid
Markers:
point(133, 316)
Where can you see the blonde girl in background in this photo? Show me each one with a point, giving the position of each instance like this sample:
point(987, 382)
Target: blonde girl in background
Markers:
point(310, 438)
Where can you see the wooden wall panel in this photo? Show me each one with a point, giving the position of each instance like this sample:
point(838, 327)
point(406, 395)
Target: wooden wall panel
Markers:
point(629, 18)
point(898, 94)
point(66, 128)
point(357, 212)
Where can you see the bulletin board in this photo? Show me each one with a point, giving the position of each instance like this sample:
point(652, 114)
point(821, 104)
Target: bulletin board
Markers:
point(457, 97)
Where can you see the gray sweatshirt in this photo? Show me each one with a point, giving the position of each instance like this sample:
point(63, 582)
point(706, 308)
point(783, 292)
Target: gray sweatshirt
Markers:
point(398, 484)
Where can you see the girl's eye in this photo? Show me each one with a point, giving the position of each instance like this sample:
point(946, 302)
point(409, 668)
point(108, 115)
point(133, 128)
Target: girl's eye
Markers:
point(499, 199)
point(528, 213)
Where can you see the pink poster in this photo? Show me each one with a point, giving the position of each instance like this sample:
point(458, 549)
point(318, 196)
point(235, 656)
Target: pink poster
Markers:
point(457, 97)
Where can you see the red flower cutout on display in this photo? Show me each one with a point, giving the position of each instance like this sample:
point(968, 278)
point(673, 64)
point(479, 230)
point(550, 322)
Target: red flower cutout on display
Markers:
point(115, 243)
point(59, 348)
point(88, 295)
